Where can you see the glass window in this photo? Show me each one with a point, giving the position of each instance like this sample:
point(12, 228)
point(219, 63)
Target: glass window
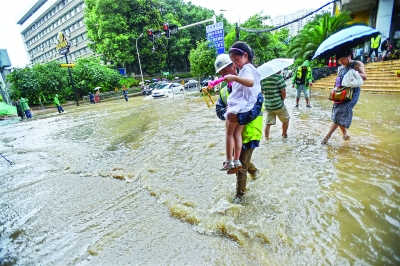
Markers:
point(80, 23)
point(68, 15)
point(79, 39)
point(72, 12)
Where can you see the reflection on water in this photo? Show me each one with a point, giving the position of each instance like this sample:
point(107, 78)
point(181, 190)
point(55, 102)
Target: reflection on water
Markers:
point(139, 182)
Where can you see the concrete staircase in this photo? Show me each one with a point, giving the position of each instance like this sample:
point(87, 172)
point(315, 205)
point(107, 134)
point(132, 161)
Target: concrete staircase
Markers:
point(381, 77)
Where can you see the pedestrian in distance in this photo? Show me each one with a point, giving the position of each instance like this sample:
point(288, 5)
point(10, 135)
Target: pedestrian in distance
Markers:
point(20, 111)
point(125, 94)
point(25, 107)
point(245, 89)
point(374, 45)
point(360, 54)
point(342, 113)
point(91, 98)
point(302, 80)
point(252, 131)
point(58, 105)
point(274, 90)
point(385, 48)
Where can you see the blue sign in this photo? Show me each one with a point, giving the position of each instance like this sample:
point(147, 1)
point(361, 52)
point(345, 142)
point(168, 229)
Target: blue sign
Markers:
point(121, 71)
point(215, 34)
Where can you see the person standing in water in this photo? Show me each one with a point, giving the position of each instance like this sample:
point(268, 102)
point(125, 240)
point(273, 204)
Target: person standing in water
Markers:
point(57, 104)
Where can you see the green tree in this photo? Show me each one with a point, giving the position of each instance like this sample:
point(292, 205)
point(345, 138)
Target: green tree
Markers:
point(305, 44)
point(266, 45)
point(114, 26)
point(202, 59)
point(89, 74)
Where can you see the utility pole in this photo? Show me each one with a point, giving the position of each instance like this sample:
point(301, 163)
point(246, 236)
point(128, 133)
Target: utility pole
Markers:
point(237, 23)
point(137, 50)
point(72, 81)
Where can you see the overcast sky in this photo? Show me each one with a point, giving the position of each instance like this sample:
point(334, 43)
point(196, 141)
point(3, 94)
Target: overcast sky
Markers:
point(10, 37)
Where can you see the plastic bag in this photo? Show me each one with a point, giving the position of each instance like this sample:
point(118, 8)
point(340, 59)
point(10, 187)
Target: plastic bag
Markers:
point(352, 79)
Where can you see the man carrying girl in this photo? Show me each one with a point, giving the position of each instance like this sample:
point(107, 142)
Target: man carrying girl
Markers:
point(245, 90)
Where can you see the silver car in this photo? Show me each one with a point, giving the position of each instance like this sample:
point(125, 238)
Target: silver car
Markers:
point(167, 89)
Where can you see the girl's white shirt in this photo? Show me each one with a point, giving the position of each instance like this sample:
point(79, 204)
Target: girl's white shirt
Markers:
point(242, 98)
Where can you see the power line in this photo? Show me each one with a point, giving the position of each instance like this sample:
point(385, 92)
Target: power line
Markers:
point(284, 25)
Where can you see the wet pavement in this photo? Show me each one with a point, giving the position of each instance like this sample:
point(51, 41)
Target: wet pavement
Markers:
point(138, 182)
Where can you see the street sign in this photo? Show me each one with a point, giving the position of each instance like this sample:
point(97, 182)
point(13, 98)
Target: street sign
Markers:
point(62, 44)
point(166, 73)
point(67, 65)
point(215, 34)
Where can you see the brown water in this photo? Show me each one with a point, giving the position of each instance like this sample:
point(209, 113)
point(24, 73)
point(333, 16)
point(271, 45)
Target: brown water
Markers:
point(139, 183)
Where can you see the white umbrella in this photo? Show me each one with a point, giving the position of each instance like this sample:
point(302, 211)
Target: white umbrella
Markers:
point(274, 66)
point(97, 88)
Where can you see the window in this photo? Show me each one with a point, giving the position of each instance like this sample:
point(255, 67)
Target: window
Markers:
point(79, 39)
point(67, 16)
point(80, 23)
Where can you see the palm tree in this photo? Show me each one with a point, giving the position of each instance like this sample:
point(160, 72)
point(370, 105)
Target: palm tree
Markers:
point(315, 32)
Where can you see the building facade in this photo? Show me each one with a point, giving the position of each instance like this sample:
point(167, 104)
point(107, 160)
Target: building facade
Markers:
point(295, 27)
point(42, 21)
point(383, 15)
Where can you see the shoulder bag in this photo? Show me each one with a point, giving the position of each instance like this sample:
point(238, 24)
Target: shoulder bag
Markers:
point(338, 95)
point(351, 79)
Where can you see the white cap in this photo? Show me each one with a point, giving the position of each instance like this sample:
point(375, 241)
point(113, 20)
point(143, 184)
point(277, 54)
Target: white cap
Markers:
point(222, 61)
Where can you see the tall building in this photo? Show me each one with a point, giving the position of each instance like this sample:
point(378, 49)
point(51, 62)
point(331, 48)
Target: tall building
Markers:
point(295, 27)
point(41, 22)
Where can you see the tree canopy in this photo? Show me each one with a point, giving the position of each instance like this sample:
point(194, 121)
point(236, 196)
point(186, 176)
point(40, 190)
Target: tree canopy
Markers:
point(40, 83)
point(304, 45)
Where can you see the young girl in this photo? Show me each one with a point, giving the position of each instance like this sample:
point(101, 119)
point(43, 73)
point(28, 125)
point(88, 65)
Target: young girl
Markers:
point(245, 90)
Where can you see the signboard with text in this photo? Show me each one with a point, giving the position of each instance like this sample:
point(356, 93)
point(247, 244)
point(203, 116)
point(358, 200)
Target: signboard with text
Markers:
point(215, 34)
point(62, 44)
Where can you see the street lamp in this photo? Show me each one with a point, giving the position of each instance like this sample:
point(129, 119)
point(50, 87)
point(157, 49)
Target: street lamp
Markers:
point(137, 50)
point(237, 23)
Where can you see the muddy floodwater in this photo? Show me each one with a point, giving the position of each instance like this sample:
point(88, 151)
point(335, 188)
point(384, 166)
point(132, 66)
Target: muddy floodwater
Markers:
point(138, 183)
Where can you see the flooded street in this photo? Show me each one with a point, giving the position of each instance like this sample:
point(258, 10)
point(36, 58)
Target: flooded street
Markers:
point(138, 182)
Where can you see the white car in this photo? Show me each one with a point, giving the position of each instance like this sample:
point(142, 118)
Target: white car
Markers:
point(167, 89)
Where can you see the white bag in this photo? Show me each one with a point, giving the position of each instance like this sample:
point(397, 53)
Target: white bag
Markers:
point(352, 79)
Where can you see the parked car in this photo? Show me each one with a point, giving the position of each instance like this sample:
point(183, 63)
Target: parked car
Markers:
point(167, 89)
point(155, 79)
point(205, 81)
point(191, 83)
